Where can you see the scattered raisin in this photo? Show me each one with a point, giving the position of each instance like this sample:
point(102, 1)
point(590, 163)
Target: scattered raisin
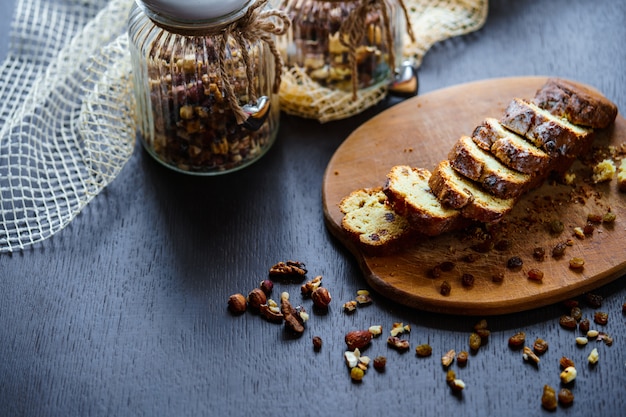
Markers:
point(540, 346)
point(474, 341)
point(423, 350)
point(445, 288)
point(576, 313)
point(556, 226)
point(566, 398)
point(588, 229)
point(498, 277)
point(549, 399)
point(317, 343)
point(503, 244)
point(608, 217)
point(380, 362)
point(535, 274)
point(461, 358)
point(593, 300)
point(568, 322)
point(434, 272)
point(514, 262)
point(594, 218)
point(559, 250)
point(467, 280)
point(539, 253)
point(517, 340)
point(583, 326)
point(601, 317)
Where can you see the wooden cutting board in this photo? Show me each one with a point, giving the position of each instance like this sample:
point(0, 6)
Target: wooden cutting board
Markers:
point(419, 132)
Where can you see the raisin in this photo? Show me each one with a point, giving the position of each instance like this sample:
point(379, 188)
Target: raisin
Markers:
point(568, 322)
point(423, 350)
point(380, 362)
point(475, 341)
point(539, 253)
point(548, 399)
point(514, 263)
point(583, 326)
point(446, 266)
point(593, 300)
point(576, 313)
point(498, 277)
point(467, 280)
point(445, 288)
point(461, 358)
point(434, 272)
point(540, 346)
point(559, 250)
point(517, 340)
point(566, 398)
point(535, 274)
point(503, 245)
point(556, 227)
point(601, 317)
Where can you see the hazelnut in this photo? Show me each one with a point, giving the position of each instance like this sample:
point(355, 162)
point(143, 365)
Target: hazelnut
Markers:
point(266, 286)
point(321, 297)
point(237, 303)
point(256, 298)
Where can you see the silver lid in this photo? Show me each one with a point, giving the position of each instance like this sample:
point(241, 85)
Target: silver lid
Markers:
point(194, 10)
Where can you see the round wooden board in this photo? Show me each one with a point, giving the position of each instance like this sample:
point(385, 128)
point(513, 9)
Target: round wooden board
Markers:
point(419, 132)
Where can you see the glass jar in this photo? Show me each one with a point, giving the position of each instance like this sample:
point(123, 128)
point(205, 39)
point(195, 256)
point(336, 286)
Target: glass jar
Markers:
point(347, 46)
point(204, 83)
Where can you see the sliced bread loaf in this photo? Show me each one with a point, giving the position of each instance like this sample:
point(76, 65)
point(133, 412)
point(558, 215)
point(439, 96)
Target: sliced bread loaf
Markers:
point(410, 195)
point(371, 223)
point(554, 135)
point(468, 159)
point(576, 103)
point(510, 148)
point(454, 190)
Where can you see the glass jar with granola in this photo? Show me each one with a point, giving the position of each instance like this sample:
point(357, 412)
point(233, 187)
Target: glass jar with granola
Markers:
point(348, 48)
point(206, 75)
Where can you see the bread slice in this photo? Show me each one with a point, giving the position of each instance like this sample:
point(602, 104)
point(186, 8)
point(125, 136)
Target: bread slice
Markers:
point(409, 194)
point(554, 135)
point(510, 148)
point(576, 103)
point(454, 190)
point(371, 222)
point(468, 159)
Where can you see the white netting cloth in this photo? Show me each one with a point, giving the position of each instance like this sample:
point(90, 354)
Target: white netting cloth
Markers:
point(66, 110)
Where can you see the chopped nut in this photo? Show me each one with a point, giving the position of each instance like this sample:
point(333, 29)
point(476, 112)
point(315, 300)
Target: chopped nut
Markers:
point(517, 340)
point(568, 375)
point(448, 358)
point(423, 350)
point(578, 232)
point(354, 359)
point(293, 320)
point(548, 398)
point(529, 355)
point(399, 328)
point(608, 340)
point(271, 312)
point(592, 334)
point(237, 303)
point(256, 297)
point(397, 343)
point(593, 356)
point(376, 330)
point(288, 269)
point(349, 307)
point(576, 263)
point(321, 298)
point(363, 298)
point(309, 287)
point(453, 382)
point(581, 341)
point(358, 339)
point(566, 362)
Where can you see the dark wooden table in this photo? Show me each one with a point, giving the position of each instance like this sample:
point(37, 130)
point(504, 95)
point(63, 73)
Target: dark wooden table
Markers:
point(124, 312)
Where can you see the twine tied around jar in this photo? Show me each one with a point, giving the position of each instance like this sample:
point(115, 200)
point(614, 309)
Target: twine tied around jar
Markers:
point(354, 28)
point(256, 25)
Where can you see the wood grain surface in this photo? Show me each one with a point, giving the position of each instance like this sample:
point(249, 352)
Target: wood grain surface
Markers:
point(419, 133)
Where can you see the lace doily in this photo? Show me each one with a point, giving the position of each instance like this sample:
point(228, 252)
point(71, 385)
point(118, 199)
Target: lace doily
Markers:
point(66, 111)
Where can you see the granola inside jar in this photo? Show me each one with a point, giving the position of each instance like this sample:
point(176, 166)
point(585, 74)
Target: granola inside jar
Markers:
point(348, 46)
point(205, 82)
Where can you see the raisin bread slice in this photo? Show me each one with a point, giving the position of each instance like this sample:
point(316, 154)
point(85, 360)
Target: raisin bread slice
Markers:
point(454, 190)
point(468, 159)
point(510, 148)
point(576, 103)
point(556, 136)
point(409, 194)
point(371, 223)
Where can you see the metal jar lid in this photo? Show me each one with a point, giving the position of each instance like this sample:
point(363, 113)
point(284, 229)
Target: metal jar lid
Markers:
point(194, 10)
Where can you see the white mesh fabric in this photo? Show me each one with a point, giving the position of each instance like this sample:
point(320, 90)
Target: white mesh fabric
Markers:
point(66, 111)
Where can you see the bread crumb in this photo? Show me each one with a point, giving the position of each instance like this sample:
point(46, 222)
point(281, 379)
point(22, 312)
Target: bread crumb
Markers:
point(621, 176)
point(603, 171)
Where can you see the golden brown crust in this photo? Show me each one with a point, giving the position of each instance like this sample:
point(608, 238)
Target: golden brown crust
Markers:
point(575, 102)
